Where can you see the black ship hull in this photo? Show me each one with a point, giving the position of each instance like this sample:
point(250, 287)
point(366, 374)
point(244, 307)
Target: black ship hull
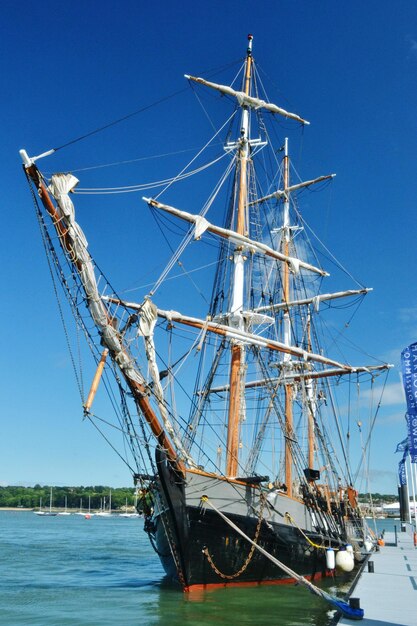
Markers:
point(198, 548)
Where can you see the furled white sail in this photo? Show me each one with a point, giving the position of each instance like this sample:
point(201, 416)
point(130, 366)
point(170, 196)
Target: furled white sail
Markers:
point(248, 101)
point(61, 185)
point(201, 225)
point(148, 317)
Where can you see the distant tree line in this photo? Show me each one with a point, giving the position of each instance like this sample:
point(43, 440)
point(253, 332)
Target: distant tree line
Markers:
point(30, 497)
point(378, 497)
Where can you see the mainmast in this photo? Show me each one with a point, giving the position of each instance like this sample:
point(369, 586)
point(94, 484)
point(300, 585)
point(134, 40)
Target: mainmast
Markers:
point(236, 317)
point(286, 297)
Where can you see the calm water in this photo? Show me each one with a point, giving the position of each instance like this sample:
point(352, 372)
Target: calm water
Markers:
point(72, 571)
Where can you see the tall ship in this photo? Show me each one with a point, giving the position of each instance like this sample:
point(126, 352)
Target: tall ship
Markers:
point(229, 393)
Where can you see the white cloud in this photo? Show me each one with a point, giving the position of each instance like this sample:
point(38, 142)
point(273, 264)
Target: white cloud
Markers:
point(412, 44)
point(393, 418)
point(408, 314)
point(393, 395)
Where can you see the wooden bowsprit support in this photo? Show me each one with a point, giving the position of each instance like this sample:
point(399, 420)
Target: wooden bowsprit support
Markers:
point(96, 381)
point(137, 388)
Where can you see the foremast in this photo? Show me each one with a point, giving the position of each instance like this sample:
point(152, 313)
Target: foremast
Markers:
point(236, 314)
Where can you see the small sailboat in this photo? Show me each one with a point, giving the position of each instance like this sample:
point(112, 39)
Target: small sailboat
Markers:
point(128, 515)
point(50, 513)
point(40, 511)
point(80, 512)
point(233, 388)
point(89, 514)
point(65, 511)
point(105, 512)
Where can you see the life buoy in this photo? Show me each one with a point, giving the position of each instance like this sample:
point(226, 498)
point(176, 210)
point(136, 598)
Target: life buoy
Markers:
point(415, 539)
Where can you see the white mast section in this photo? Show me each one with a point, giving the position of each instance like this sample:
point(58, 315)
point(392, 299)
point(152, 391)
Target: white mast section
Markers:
point(238, 282)
point(251, 245)
point(246, 100)
point(286, 240)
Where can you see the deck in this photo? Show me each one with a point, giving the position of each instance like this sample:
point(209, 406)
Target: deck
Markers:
point(389, 595)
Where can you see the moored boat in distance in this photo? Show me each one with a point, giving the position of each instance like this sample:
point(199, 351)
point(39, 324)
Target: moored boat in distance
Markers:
point(47, 513)
point(104, 510)
point(228, 392)
point(65, 511)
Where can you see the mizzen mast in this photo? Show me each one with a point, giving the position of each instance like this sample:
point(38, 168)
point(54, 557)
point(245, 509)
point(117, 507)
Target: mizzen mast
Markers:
point(236, 316)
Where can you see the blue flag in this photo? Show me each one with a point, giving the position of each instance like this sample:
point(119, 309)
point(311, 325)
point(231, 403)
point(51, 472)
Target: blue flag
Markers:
point(412, 436)
point(409, 371)
point(402, 446)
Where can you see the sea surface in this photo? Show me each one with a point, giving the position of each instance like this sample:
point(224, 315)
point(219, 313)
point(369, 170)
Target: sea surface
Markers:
point(67, 570)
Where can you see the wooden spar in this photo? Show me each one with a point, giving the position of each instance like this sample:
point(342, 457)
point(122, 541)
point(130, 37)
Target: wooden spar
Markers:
point(240, 224)
point(96, 380)
point(283, 193)
point(238, 352)
point(313, 300)
point(240, 240)
point(286, 235)
point(309, 375)
point(232, 456)
point(257, 340)
point(139, 392)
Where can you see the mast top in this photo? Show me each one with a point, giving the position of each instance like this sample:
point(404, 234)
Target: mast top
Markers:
point(250, 39)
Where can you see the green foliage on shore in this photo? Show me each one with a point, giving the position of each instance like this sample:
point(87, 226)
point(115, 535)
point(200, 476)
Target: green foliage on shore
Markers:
point(378, 498)
point(30, 497)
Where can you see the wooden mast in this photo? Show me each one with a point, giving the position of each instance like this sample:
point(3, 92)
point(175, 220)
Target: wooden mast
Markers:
point(286, 238)
point(236, 319)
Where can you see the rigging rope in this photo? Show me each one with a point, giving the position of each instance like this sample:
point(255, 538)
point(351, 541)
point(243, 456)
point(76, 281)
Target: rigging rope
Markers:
point(342, 606)
point(197, 155)
point(144, 186)
point(186, 240)
point(119, 120)
point(315, 545)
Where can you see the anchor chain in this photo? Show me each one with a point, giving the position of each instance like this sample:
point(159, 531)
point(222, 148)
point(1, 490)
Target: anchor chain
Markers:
point(251, 551)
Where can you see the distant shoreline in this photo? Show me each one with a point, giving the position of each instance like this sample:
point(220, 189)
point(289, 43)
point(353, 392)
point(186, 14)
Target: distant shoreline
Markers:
point(130, 509)
point(15, 508)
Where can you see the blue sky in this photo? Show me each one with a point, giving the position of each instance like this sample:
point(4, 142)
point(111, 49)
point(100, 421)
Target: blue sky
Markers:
point(348, 67)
